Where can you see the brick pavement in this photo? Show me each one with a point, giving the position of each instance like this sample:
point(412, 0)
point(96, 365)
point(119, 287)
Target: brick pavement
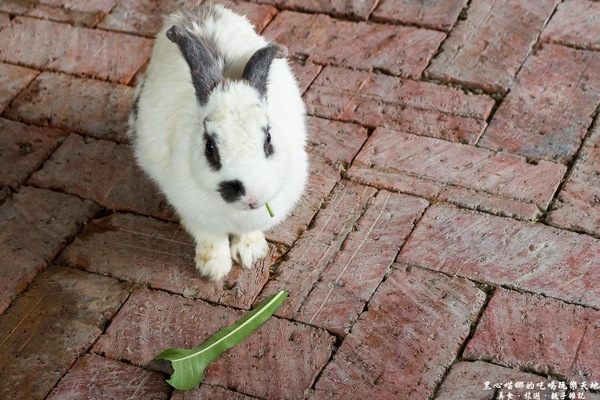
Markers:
point(447, 247)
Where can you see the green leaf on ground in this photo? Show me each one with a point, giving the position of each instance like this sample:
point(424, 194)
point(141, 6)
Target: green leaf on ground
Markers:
point(189, 364)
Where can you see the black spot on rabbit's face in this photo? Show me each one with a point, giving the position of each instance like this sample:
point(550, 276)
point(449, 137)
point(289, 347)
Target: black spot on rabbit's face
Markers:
point(231, 191)
point(267, 146)
point(211, 151)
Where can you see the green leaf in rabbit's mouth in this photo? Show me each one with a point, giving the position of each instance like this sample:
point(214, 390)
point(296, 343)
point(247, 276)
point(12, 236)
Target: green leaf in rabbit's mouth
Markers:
point(189, 364)
point(271, 213)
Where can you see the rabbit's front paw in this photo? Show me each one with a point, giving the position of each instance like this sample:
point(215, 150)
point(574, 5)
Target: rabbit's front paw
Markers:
point(213, 260)
point(248, 248)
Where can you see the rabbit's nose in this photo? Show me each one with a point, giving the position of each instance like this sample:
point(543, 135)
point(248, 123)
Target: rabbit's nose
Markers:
point(251, 200)
point(232, 191)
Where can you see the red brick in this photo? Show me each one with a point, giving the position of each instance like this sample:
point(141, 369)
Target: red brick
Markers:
point(259, 15)
point(260, 366)
point(305, 72)
point(15, 6)
point(79, 13)
point(344, 8)
point(4, 20)
point(105, 172)
point(146, 18)
point(142, 18)
point(160, 255)
point(334, 142)
point(318, 245)
point(91, 107)
point(578, 204)
point(23, 149)
point(13, 80)
point(50, 326)
point(487, 48)
point(421, 108)
point(93, 376)
point(586, 366)
point(476, 381)
point(430, 14)
point(519, 255)
point(34, 226)
point(548, 110)
point(75, 12)
point(210, 392)
point(103, 6)
point(139, 75)
point(331, 145)
point(471, 176)
point(492, 203)
point(349, 281)
point(575, 23)
point(80, 51)
point(396, 49)
point(69, 16)
point(401, 347)
point(519, 330)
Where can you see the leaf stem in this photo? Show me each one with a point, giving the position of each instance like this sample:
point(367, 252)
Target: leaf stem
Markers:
point(271, 213)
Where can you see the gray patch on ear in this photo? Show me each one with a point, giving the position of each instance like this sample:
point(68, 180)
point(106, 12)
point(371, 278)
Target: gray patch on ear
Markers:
point(256, 70)
point(203, 64)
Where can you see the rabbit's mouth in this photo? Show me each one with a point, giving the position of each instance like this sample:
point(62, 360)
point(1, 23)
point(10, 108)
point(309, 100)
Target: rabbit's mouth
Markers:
point(253, 205)
point(236, 194)
point(245, 203)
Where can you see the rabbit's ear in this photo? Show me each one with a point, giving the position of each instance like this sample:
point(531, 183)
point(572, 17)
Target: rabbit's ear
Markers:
point(257, 68)
point(203, 65)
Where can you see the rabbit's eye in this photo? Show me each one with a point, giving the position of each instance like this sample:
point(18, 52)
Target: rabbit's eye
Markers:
point(268, 147)
point(210, 148)
point(211, 151)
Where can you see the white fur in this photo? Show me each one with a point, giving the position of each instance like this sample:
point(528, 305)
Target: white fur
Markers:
point(168, 141)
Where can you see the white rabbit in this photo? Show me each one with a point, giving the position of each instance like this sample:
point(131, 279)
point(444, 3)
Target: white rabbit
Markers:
point(219, 124)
